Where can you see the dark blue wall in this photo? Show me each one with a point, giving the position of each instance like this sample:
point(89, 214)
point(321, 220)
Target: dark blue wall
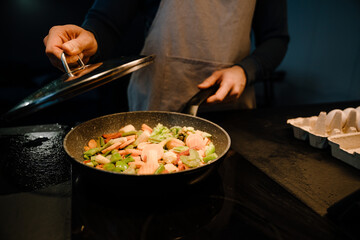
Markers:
point(323, 59)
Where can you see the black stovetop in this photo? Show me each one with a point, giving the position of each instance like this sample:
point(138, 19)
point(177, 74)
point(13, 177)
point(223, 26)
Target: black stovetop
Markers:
point(43, 198)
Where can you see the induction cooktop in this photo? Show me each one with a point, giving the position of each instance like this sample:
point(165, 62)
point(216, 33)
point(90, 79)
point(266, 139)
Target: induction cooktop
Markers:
point(43, 197)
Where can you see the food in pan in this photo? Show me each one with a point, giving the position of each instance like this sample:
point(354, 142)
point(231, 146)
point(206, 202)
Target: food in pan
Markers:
point(149, 150)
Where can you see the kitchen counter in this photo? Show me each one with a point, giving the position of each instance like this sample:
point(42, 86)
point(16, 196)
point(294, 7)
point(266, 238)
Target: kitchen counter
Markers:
point(263, 138)
point(269, 186)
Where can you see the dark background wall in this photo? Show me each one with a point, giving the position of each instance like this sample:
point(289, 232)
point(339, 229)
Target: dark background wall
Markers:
point(323, 60)
point(25, 68)
point(322, 63)
point(24, 23)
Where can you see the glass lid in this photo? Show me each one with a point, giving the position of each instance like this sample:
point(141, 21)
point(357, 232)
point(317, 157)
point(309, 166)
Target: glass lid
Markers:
point(77, 81)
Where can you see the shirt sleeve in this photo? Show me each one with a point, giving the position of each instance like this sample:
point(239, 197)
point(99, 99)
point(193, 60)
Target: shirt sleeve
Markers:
point(271, 37)
point(113, 22)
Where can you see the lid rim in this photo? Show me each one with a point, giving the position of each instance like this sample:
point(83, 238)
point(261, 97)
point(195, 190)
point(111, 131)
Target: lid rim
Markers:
point(62, 89)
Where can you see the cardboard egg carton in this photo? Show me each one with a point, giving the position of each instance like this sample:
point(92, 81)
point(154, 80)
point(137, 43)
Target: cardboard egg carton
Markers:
point(339, 128)
point(346, 147)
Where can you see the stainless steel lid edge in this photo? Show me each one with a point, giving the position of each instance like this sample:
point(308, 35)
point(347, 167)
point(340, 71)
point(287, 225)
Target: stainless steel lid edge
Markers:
point(75, 83)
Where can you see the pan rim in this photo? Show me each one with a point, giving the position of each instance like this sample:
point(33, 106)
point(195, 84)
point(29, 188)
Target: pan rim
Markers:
point(210, 164)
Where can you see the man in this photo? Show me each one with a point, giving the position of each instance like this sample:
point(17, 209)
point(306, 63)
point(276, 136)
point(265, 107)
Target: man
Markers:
point(197, 43)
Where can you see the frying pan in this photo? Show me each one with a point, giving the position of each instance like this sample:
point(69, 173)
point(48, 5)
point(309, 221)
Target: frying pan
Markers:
point(77, 138)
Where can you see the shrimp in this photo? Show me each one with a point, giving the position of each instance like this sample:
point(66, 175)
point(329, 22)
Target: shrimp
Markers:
point(133, 152)
point(152, 147)
point(145, 127)
point(142, 145)
point(92, 143)
point(151, 164)
point(195, 141)
point(174, 142)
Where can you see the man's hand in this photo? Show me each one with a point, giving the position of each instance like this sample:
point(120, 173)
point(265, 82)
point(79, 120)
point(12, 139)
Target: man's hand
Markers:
point(71, 39)
point(231, 82)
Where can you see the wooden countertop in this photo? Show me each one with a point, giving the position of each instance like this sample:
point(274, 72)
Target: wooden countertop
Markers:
point(313, 175)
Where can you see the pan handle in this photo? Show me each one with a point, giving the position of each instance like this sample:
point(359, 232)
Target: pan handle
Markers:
point(66, 66)
point(193, 104)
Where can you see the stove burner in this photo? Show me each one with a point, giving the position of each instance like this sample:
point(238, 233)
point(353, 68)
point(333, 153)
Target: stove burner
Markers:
point(202, 211)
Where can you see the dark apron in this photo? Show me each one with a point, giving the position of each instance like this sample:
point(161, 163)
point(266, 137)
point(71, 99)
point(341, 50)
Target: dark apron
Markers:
point(191, 39)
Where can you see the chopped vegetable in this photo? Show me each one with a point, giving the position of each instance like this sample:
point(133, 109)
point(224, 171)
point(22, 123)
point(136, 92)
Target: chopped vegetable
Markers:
point(101, 159)
point(209, 149)
point(192, 160)
point(129, 133)
point(180, 149)
point(92, 151)
point(115, 157)
point(159, 133)
point(121, 165)
point(160, 169)
point(210, 157)
point(157, 150)
point(109, 166)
